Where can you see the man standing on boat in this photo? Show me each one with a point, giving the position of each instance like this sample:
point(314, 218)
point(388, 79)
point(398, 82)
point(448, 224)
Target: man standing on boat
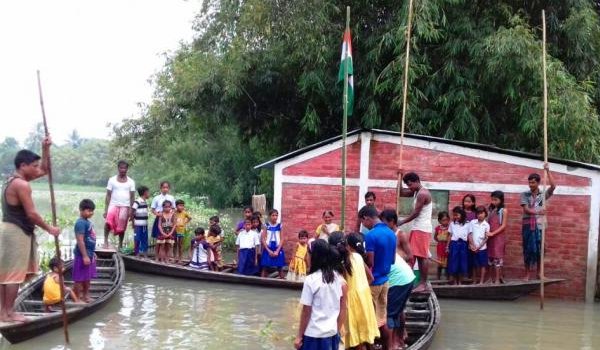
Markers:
point(421, 230)
point(120, 195)
point(532, 204)
point(18, 247)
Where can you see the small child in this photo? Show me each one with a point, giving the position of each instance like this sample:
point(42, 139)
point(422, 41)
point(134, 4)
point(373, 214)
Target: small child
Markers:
point(248, 212)
point(477, 243)
point(52, 286)
point(441, 237)
point(324, 301)
point(139, 218)
point(156, 207)
point(496, 243)
point(182, 219)
point(166, 229)
point(246, 243)
point(300, 263)
point(84, 266)
point(215, 240)
point(214, 220)
point(468, 205)
point(258, 229)
point(459, 230)
point(327, 227)
point(272, 242)
point(200, 251)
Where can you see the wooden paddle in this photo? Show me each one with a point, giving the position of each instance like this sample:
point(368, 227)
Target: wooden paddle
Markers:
point(544, 184)
point(53, 207)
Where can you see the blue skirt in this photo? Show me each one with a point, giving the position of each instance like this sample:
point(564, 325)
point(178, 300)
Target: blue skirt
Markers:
point(267, 261)
point(458, 258)
point(330, 343)
point(532, 241)
point(246, 263)
point(155, 231)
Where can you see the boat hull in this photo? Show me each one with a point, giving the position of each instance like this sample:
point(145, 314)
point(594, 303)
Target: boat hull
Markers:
point(511, 290)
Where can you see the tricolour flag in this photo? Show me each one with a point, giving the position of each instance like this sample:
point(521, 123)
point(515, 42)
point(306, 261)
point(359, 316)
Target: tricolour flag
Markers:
point(347, 60)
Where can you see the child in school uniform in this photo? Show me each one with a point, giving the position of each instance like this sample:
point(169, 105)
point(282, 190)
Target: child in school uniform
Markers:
point(477, 243)
point(272, 246)
point(300, 262)
point(200, 250)
point(247, 242)
point(458, 250)
point(441, 237)
point(323, 300)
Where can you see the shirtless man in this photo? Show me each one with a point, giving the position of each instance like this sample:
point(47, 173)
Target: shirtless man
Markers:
point(18, 248)
point(420, 233)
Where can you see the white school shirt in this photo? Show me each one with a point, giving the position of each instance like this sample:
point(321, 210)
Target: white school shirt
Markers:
point(459, 231)
point(158, 201)
point(478, 230)
point(120, 191)
point(247, 239)
point(324, 300)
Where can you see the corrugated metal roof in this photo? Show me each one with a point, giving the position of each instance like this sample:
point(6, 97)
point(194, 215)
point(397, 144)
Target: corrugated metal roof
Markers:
point(271, 163)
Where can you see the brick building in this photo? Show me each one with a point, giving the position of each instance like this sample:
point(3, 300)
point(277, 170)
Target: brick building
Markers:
point(308, 181)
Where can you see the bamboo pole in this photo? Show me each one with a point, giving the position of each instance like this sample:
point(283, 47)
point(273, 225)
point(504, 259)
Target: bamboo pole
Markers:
point(404, 103)
point(345, 128)
point(544, 184)
point(54, 223)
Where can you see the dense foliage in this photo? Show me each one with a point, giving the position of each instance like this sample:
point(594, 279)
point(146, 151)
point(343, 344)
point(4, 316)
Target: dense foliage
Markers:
point(259, 80)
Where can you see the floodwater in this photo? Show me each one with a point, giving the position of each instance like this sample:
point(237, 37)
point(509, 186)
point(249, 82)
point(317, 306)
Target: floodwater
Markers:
point(152, 312)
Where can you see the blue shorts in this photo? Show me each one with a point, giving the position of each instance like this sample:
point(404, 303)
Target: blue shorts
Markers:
point(140, 237)
point(480, 258)
point(179, 236)
point(458, 257)
point(329, 343)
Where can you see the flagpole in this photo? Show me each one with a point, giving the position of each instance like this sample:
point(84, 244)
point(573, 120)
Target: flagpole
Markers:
point(345, 129)
point(544, 218)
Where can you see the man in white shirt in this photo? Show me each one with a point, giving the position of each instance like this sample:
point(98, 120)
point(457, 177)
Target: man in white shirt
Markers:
point(120, 194)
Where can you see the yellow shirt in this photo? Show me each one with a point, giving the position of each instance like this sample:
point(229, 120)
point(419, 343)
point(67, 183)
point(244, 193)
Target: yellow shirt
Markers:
point(51, 290)
point(181, 221)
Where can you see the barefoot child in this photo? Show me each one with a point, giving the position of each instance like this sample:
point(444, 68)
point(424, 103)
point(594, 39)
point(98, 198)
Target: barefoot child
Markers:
point(477, 243)
point(327, 227)
point(247, 243)
point(323, 300)
point(166, 229)
point(52, 286)
point(215, 240)
point(272, 244)
point(459, 230)
point(139, 218)
point(84, 266)
point(182, 219)
point(300, 263)
point(468, 205)
point(441, 237)
point(200, 251)
point(156, 206)
point(496, 243)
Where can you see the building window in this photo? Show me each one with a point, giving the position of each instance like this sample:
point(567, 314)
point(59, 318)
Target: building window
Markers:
point(440, 203)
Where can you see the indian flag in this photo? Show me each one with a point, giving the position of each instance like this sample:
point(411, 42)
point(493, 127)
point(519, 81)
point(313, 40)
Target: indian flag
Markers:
point(346, 60)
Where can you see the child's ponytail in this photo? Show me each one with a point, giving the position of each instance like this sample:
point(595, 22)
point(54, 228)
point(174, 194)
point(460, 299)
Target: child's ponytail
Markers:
point(340, 248)
point(356, 242)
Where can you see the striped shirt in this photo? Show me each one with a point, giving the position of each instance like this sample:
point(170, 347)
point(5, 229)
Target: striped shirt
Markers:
point(141, 212)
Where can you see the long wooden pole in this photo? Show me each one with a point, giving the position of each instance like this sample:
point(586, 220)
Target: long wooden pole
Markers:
point(53, 207)
point(345, 127)
point(544, 218)
point(404, 102)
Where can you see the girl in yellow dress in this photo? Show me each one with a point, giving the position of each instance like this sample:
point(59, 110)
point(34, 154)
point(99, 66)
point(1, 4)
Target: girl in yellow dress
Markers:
point(300, 263)
point(361, 323)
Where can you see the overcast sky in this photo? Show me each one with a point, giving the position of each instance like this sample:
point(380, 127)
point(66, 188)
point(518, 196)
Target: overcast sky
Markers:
point(95, 58)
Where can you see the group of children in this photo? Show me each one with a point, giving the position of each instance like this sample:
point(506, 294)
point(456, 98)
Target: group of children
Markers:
point(472, 240)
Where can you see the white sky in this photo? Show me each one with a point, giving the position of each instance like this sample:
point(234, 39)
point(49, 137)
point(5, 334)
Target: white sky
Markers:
point(95, 59)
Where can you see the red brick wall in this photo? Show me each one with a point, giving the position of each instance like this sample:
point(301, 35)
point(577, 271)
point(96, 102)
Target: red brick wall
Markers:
point(329, 164)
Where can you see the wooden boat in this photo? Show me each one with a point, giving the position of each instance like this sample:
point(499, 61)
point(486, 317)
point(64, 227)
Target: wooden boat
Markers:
point(422, 311)
point(110, 275)
point(510, 290)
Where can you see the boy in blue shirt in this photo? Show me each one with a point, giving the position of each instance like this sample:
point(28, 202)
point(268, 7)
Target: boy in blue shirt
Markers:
point(84, 266)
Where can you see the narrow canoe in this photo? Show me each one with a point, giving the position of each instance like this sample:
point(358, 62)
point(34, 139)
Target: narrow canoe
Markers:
point(422, 311)
point(110, 275)
point(510, 290)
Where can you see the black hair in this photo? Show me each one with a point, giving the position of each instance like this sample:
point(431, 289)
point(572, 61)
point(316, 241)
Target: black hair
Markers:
point(142, 189)
point(463, 216)
point(370, 194)
point(215, 229)
point(249, 207)
point(302, 233)
point(367, 212)
point(256, 217)
point(273, 211)
point(87, 204)
point(327, 212)
point(534, 176)
point(248, 219)
point(214, 218)
point(199, 231)
point(26, 157)
point(54, 262)
point(337, 240)
point(500, 196)
point(122, 162)
point(162, 183)
point(167, 202)
point(472, 198)
point(442, 215)
point(356, 241)
point(481, 209)
point(179, 201)
point(388, 215)
point(324, 257)
point(410, 177)
point(257, 213)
